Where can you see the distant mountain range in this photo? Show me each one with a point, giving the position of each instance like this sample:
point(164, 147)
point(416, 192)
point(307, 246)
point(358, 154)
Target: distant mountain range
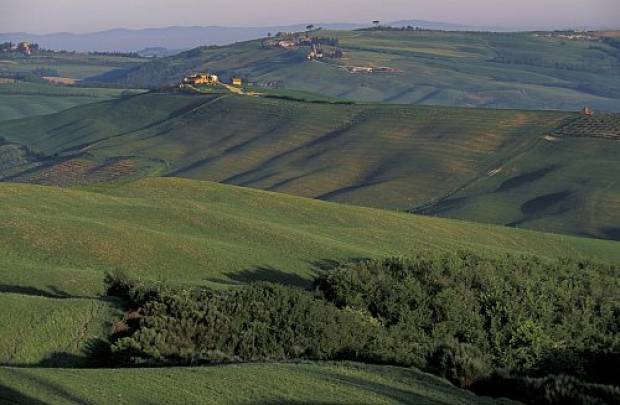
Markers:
point(181, 38)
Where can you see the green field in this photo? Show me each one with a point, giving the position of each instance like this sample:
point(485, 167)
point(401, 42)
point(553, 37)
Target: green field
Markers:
point(24, 99)
point(187, 231)
point(497, 70)
point(24, 92)
point(65, 64)
point(344, 383)
point(495, 166)
point(56, 244)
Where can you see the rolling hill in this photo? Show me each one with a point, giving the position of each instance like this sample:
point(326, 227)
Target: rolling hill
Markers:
point(56, 243)
point(155, 226)
point(69, 65)
point(19, 99)
point(132, 40)
point(262, 384)
point(499, 166)
point(498, 70)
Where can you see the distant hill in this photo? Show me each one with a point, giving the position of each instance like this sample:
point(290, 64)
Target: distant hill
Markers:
point(180, 38)
point(475, 69)
point(170, 38)
point(518, 168)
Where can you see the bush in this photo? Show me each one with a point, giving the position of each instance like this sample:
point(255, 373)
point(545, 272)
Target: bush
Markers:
point(551, 390)
point(516, 309)
point(460, 363)
point(258, 323)
point(461, 316)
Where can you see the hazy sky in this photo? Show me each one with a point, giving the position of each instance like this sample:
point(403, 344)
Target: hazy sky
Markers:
point(41, 16)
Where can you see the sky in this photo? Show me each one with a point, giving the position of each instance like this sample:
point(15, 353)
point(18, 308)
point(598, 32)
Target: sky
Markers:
point(45, 16)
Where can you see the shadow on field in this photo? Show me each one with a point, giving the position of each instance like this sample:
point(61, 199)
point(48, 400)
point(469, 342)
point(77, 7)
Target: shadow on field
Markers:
point(39, 383)
point(51, 292)
point(273, 275)
point(297, 402)
point(10, 396)
point(611, 233)
point(56, 360)
point(424, 382)
point(95, 353)
point(264, 273)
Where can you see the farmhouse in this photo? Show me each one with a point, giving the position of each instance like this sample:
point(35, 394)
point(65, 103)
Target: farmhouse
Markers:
point(201, 78)
point(315, 53)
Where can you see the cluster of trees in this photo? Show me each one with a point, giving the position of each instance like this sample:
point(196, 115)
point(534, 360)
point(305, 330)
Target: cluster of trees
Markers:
point(378, 27)
point(117, 54)
point(513, 324)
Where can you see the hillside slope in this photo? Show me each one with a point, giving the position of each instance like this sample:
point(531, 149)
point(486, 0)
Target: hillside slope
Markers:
point(499, 70)
point(236, 384)
point(189, 231)
point(56, 243)
point(24, 99)
point(388, 156)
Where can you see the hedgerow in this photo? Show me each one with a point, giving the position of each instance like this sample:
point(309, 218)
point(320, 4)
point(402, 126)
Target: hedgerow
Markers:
point(464, 317)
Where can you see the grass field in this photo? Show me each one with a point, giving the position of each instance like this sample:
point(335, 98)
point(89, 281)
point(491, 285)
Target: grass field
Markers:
point(56, 244)
point(434, 160)
point(500, 70)
point(76, 66)
point(187, 231)
point(24, 99)
point(561, 183)
point(49, 328)
point(321, 383)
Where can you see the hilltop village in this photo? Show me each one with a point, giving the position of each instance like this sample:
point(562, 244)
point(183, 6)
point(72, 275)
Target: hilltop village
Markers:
point(292, 40)
point(24, 48)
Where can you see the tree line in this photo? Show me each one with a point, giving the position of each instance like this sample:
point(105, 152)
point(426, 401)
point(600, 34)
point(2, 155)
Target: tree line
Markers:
point(534, 330)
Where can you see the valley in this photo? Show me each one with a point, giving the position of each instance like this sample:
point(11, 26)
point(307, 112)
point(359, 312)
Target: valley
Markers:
point(380, 215)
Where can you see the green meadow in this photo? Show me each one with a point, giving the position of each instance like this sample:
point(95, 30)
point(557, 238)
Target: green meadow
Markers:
point(333, 383)
point(497, 70)
point(189, 231)
point(506, 167)
point(24, 99)
point(223, 190)
point(56, 244)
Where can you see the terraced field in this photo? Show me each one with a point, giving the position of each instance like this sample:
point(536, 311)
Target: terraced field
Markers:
point(605, 126)
point(498, 70)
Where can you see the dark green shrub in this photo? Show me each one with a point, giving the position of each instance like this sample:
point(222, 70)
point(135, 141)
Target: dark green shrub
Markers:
point(551, 390)
point(515, 309)
point(460, 363)
point(460, 316)
point(261, 322)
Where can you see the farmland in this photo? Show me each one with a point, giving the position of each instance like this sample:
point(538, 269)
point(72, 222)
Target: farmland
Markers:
point(54, 255)
point(19, 99)
point(44, 83)
point(77, 66)
point(517, 70)
point(432, 160)
point(263, 383)
point(330, 231)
